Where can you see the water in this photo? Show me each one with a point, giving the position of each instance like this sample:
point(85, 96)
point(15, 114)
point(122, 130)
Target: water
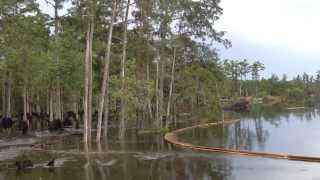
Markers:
point(294, 132)
point(149, 157)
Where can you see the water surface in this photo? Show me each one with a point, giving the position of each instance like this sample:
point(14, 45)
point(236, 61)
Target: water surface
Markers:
point(149, 157)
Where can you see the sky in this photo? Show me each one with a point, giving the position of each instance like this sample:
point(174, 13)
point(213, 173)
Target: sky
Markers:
point(48, 9)
point(282, 34)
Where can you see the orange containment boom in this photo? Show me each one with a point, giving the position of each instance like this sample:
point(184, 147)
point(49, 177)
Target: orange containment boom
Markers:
point(172, 138)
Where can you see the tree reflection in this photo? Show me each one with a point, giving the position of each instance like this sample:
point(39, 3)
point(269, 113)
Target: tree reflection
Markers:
point(88, 165)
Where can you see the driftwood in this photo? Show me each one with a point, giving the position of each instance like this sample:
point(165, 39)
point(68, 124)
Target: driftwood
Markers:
point(295, 108)
point(173, 139)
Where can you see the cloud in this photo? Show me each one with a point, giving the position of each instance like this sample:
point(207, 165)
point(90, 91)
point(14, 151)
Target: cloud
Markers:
point(278, 60)
point(289, 24)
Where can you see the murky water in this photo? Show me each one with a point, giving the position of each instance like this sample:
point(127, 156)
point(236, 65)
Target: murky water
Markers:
point(149, 157)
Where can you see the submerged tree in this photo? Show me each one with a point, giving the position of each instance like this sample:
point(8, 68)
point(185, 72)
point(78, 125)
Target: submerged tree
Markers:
point(130, 63)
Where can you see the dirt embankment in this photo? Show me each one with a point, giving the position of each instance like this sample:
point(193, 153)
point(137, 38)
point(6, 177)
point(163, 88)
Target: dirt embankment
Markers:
point(240, 104)
point(272, 100)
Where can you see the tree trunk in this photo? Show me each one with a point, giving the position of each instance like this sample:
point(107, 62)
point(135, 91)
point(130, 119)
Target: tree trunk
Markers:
point(75, 106)
point(56, 102)
point(192, 105)
point(50, 105)
point(256, 88)
point(106, 115)
point(162, 36)
point(106, 72)
point(9, 95)
point(161, 96)
point(86, 88)
point(59, 104)
point(25, 103)
point(90, 81)
point(4, 89)
point(58, 113)
point(38, 108)
point(48, 102)
point(148, 98)
point(87, 100)
point(122, 128)
point(157, 96)
point(171, 88)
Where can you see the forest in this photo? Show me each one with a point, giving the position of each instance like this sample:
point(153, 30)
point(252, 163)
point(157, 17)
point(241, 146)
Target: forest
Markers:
point(142, 89)
point(126, 64)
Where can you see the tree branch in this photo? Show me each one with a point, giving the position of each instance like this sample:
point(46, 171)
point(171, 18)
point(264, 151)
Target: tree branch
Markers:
point(50, 3)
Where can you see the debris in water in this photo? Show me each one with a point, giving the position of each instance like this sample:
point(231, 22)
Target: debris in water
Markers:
point(40, 146)
point(151, 156)
point(109, 163)
point(51, 163)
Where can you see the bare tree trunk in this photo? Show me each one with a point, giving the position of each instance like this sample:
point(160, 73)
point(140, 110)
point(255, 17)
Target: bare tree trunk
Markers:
point(38, 108)
point(162, 36)
point(192, 105)
point(4, 89)
point(157, 95)
point(90, 81)
point(9, 94)
point(59, 104)
point(75, 106)
point(50, 105)
point(122, 128)
point(28, 101)
point(48, 102)
point(256, 88)
point(171, 88)
point(57, 107)
point(161, 96)
point(58, 111)
point(106, 114)
point(86, 88)
point(148, 98)
point(87, 100)
point(25, 103)
point(106, 72)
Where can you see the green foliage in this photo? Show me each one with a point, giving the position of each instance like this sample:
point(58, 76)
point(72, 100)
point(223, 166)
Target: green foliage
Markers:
point(38, 58)
point(295, 94)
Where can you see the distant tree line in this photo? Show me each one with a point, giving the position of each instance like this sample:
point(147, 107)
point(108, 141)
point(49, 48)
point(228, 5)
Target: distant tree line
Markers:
point(243, 79)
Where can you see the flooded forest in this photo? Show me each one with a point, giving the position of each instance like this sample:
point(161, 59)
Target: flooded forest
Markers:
point(137, 89)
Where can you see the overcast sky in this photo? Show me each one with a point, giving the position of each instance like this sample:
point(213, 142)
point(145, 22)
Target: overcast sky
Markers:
point(283, 34)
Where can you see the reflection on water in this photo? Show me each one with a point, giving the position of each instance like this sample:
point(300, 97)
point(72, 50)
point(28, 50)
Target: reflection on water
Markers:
point(149, 157)
point(296, 132)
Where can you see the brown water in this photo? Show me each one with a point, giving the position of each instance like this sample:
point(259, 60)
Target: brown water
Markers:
point(149, 157)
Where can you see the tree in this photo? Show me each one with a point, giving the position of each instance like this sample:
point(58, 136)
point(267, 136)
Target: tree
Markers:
point(104, 94)
point(256, 67)
point(122, 127)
